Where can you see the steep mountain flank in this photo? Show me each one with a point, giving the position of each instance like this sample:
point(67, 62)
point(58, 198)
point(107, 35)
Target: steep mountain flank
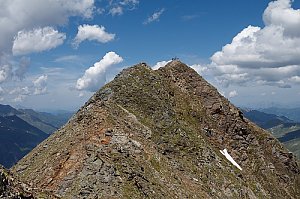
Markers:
point(158, 134)
point(9, 188)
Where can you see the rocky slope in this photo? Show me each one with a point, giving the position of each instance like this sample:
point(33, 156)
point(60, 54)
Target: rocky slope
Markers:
point(9, 188)
point(158, 134)
point(12, 188)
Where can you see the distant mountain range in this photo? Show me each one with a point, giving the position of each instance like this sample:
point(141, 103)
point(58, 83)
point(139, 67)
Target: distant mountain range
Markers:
point(291, 113)
point(22, 129)
point(283, 128)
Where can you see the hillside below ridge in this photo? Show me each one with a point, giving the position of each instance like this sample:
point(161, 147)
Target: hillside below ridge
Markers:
point(10, 188)
point(158, 134)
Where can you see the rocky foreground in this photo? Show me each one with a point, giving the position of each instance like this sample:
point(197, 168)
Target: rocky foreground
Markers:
point(161, 134)
point(11, 188)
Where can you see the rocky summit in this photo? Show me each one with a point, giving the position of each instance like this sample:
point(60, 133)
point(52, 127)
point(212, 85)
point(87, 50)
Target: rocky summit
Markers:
point(163, 133)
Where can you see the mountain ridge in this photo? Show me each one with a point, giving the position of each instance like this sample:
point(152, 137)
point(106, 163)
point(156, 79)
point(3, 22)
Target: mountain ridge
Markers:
point(159, 134)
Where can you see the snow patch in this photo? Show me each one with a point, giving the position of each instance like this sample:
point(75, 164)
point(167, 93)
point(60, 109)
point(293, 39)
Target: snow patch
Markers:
point(226, 154)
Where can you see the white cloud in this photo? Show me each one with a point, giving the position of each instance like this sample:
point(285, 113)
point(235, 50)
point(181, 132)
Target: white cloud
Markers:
point(199, 68)
point(232, 94)
point(118, 7)
point(160, 64)
point(40, 85)
point(37, 40)
point(129, 2)
point(118, 10)
point(11, 69)
point(20, 91)
point(5, 72)
point(154, 17)
point(280, 13)
point(18, 94)
point(19, 15)
point(92, 32)
point(268, 55)
point(19, 19)
point(67, 58)
point(295, 79)
point(95, 76)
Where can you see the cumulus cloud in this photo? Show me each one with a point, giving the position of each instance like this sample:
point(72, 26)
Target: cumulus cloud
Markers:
point(37, 40)
point(20, 20)
point(232, 94)
point(19, 93)
point(92, 32)
point(18, 15)
point(154, 17)
point(95, 76)
point(160, 64)
point(280, 13)
point(12, 69)
point(268, 55)
point(40, 85)
point(199, 68)
point(260, 48)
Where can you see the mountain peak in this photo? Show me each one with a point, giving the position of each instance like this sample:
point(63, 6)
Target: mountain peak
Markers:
point(176, 63)
point(159, 134)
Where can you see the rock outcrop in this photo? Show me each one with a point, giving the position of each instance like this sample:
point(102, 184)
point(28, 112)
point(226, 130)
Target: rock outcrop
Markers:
point(158, 134)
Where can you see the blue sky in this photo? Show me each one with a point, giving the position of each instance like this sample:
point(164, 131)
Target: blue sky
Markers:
point(55, 54)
